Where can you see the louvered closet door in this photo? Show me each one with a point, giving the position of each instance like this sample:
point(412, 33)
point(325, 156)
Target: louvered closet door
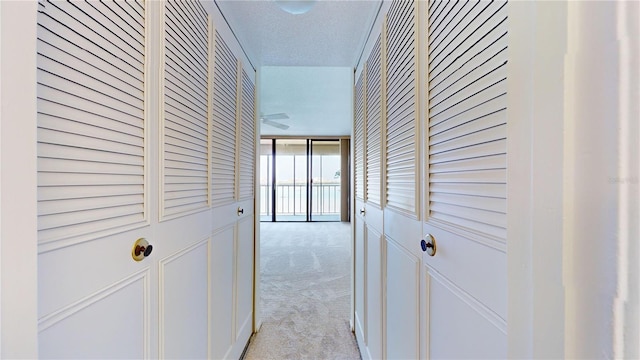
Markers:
point(374, 124)
point(359, 136)
point(182, 239)
point(186, 109)
point(359, 132)
point(373, 207)
point(466, 203)
point(92, 180)
point(402, 225)
point(233, 144)
point(247, 141)
point(246, 138)
point(402, 122)
point(224, 105)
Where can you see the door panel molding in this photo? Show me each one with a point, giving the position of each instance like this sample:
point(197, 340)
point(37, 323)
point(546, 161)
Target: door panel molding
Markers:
point(467, 316)
point(479, 237)
point(486, 312)
point(405, 230)
point(59, 315)
point(165, 292)
point(141, 278)
point(400, 333)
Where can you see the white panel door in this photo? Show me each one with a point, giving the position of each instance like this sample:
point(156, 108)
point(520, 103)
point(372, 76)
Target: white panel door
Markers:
point(466, 283)
point(233, 172)
point(373, 215)
point(359, 256)
point(402, 225)
point(125, 152)
point(359, 130)
point(374, 288)
point(93, 182)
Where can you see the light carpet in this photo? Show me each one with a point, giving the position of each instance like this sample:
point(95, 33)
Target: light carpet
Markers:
point(305, 293)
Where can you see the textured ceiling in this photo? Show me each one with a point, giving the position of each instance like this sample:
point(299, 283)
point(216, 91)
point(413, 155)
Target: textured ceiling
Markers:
point(332, 33)
point(318, 100)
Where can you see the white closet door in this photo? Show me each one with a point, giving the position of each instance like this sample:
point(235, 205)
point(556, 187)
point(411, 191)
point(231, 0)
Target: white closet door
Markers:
point(359, 136)
point(182, 237)
point(467, 123)
point(373, 207)
point(466, 202)
point(186, 109)
point(359, 220)
point(224, 122)
point(374, 124)
point(92, 182)
point(91, 124)
point(402, 225)
point(247, 138)
point(402, 123)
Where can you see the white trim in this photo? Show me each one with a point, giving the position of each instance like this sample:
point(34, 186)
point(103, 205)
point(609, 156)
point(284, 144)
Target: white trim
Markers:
point(535, 170)
point(626, 305)
point(18, 181)
point(257, 311)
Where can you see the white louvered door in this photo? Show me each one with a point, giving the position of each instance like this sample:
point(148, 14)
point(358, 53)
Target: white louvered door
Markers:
point(92, 181)
point(359, 131)
point(465, 147)
point(146, 129)
point(232, 197)
point(184, 231)
point(373, 285)
point(402, 225)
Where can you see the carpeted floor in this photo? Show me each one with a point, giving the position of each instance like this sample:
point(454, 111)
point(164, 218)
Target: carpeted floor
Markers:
point(305, 298)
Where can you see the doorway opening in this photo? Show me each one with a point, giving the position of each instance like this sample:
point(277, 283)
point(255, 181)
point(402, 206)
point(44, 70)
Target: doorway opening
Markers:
point(301, 180)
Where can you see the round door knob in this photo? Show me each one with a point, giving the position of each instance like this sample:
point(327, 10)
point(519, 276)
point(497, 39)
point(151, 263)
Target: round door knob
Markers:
point(141, 249)
point(148, 250)
point(362, 211)
point(240, 211)
point(429, 245)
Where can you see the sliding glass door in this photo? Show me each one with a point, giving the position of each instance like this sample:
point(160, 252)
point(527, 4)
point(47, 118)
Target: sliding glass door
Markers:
point(266, 179)
point(300, 180)
point(325, 180)
point(291, 180)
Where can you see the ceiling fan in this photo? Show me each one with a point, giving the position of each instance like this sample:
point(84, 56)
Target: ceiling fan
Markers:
point(269, 120)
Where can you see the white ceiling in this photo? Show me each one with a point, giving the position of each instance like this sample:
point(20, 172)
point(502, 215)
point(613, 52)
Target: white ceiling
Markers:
point(332, 33)
point(318, 100)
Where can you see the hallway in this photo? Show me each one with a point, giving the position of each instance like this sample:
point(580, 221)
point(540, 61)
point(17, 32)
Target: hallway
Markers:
point(305, 293)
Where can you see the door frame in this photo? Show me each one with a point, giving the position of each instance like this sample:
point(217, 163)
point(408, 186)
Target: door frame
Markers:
point(557, 306)
point(18, 181)
point(535, 293)
point(309, 140)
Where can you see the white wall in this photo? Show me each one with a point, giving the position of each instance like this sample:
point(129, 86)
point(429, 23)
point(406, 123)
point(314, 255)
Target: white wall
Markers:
point(318, 100)
point(573, 292)
point(601, 179)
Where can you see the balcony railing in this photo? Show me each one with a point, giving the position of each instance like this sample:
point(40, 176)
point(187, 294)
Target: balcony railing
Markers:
point(292, 199)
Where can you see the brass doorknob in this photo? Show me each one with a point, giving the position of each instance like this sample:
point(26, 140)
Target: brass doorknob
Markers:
point(429, 245)
point(141, 249)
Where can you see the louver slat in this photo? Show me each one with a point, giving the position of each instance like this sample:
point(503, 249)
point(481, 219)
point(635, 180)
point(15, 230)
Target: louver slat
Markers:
point(467, 117)
point(90, 119)
point(401, 125)
point(359, 131)
point(247, 138)
point(223, 143)
point(186, 139)
point(374, 123)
